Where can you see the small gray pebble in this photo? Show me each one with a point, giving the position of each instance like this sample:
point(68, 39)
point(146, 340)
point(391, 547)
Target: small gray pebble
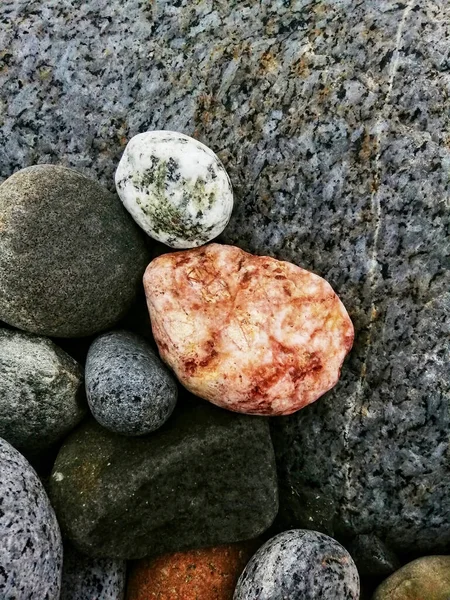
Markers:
point(129, 390)
point(299, 565)
point(86, 578)
point(30, 540)
point(41, 391)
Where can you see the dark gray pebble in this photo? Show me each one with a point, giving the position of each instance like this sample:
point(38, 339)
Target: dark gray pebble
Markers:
point(299, 565)
point(86, 578)
point(372, 557)
point(129, 389)
point(207, 477)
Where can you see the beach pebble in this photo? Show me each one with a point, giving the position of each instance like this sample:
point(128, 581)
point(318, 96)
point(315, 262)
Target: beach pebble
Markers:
point(206, 478)
point(175, 188)
point(209, 574)
point(299, 565)
point(426, 578)
point(86, 578)
point(41, 391)
point(129, 389)
point(30, 540)
point(249, 333)
point(71, 259)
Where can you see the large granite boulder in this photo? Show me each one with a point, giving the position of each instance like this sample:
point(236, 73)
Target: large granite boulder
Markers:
point(332, 121)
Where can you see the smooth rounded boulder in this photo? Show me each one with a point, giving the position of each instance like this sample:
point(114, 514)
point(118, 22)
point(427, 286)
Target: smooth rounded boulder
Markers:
point(207, 477)
point(299, 565)
point(129, 389)
point(249, 333)
point(30, 540)
point(41, 391)
point(426, 578)
point(71, 259)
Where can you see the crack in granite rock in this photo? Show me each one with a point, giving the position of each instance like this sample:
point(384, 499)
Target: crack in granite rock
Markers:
point(378, 213)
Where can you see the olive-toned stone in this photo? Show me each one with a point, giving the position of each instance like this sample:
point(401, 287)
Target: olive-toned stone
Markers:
point(372, 557)
point(41, 391)
point(206, 477)
point(426, 578)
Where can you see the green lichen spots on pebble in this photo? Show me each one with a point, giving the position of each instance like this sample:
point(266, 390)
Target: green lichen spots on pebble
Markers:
point(166, 218)
point(198, 195)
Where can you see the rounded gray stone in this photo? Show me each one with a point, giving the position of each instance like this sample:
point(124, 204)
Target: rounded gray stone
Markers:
point(41, 391)
point(30, 540)
point(86, 578)
point(71, 259)
point(129, 390)
point(299, 565)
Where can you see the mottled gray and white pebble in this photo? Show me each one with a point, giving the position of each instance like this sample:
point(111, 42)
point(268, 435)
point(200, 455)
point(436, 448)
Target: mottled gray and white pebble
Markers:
point(86, 578)
point(30, 540)
point(299, 565)
point(71, 259)
point(129, 390)
point(175, 188)
point(41, 391)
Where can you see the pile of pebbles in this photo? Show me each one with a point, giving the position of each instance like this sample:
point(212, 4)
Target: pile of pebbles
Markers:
point(108, 455)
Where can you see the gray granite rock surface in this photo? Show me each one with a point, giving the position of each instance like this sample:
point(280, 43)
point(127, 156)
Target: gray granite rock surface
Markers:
point(207, 477)
point(41, 391)
point(299, 565)
point(332, 120)
point(86, 578)
point(129, 389)
point(30, 540)
point(71, 258)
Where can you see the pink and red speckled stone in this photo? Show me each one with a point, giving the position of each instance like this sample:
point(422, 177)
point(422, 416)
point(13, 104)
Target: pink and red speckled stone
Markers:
point(249, 333)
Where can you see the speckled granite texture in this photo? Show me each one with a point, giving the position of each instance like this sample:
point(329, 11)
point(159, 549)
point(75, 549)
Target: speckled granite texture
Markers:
point(30, 541)
point(332, 120)
point(299, 565)
point(86, 578)
point(128, 388)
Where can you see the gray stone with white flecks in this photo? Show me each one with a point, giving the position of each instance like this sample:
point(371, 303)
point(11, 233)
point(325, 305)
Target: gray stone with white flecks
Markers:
point(299, 565)
point(31, 545)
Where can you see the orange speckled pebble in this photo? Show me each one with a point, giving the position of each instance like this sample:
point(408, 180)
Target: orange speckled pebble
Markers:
point(208, 574)
point(249, 333)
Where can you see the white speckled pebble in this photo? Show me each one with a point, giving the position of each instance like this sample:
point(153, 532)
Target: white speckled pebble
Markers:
point(299, 565)
point(30, 541)
point(175, 188)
